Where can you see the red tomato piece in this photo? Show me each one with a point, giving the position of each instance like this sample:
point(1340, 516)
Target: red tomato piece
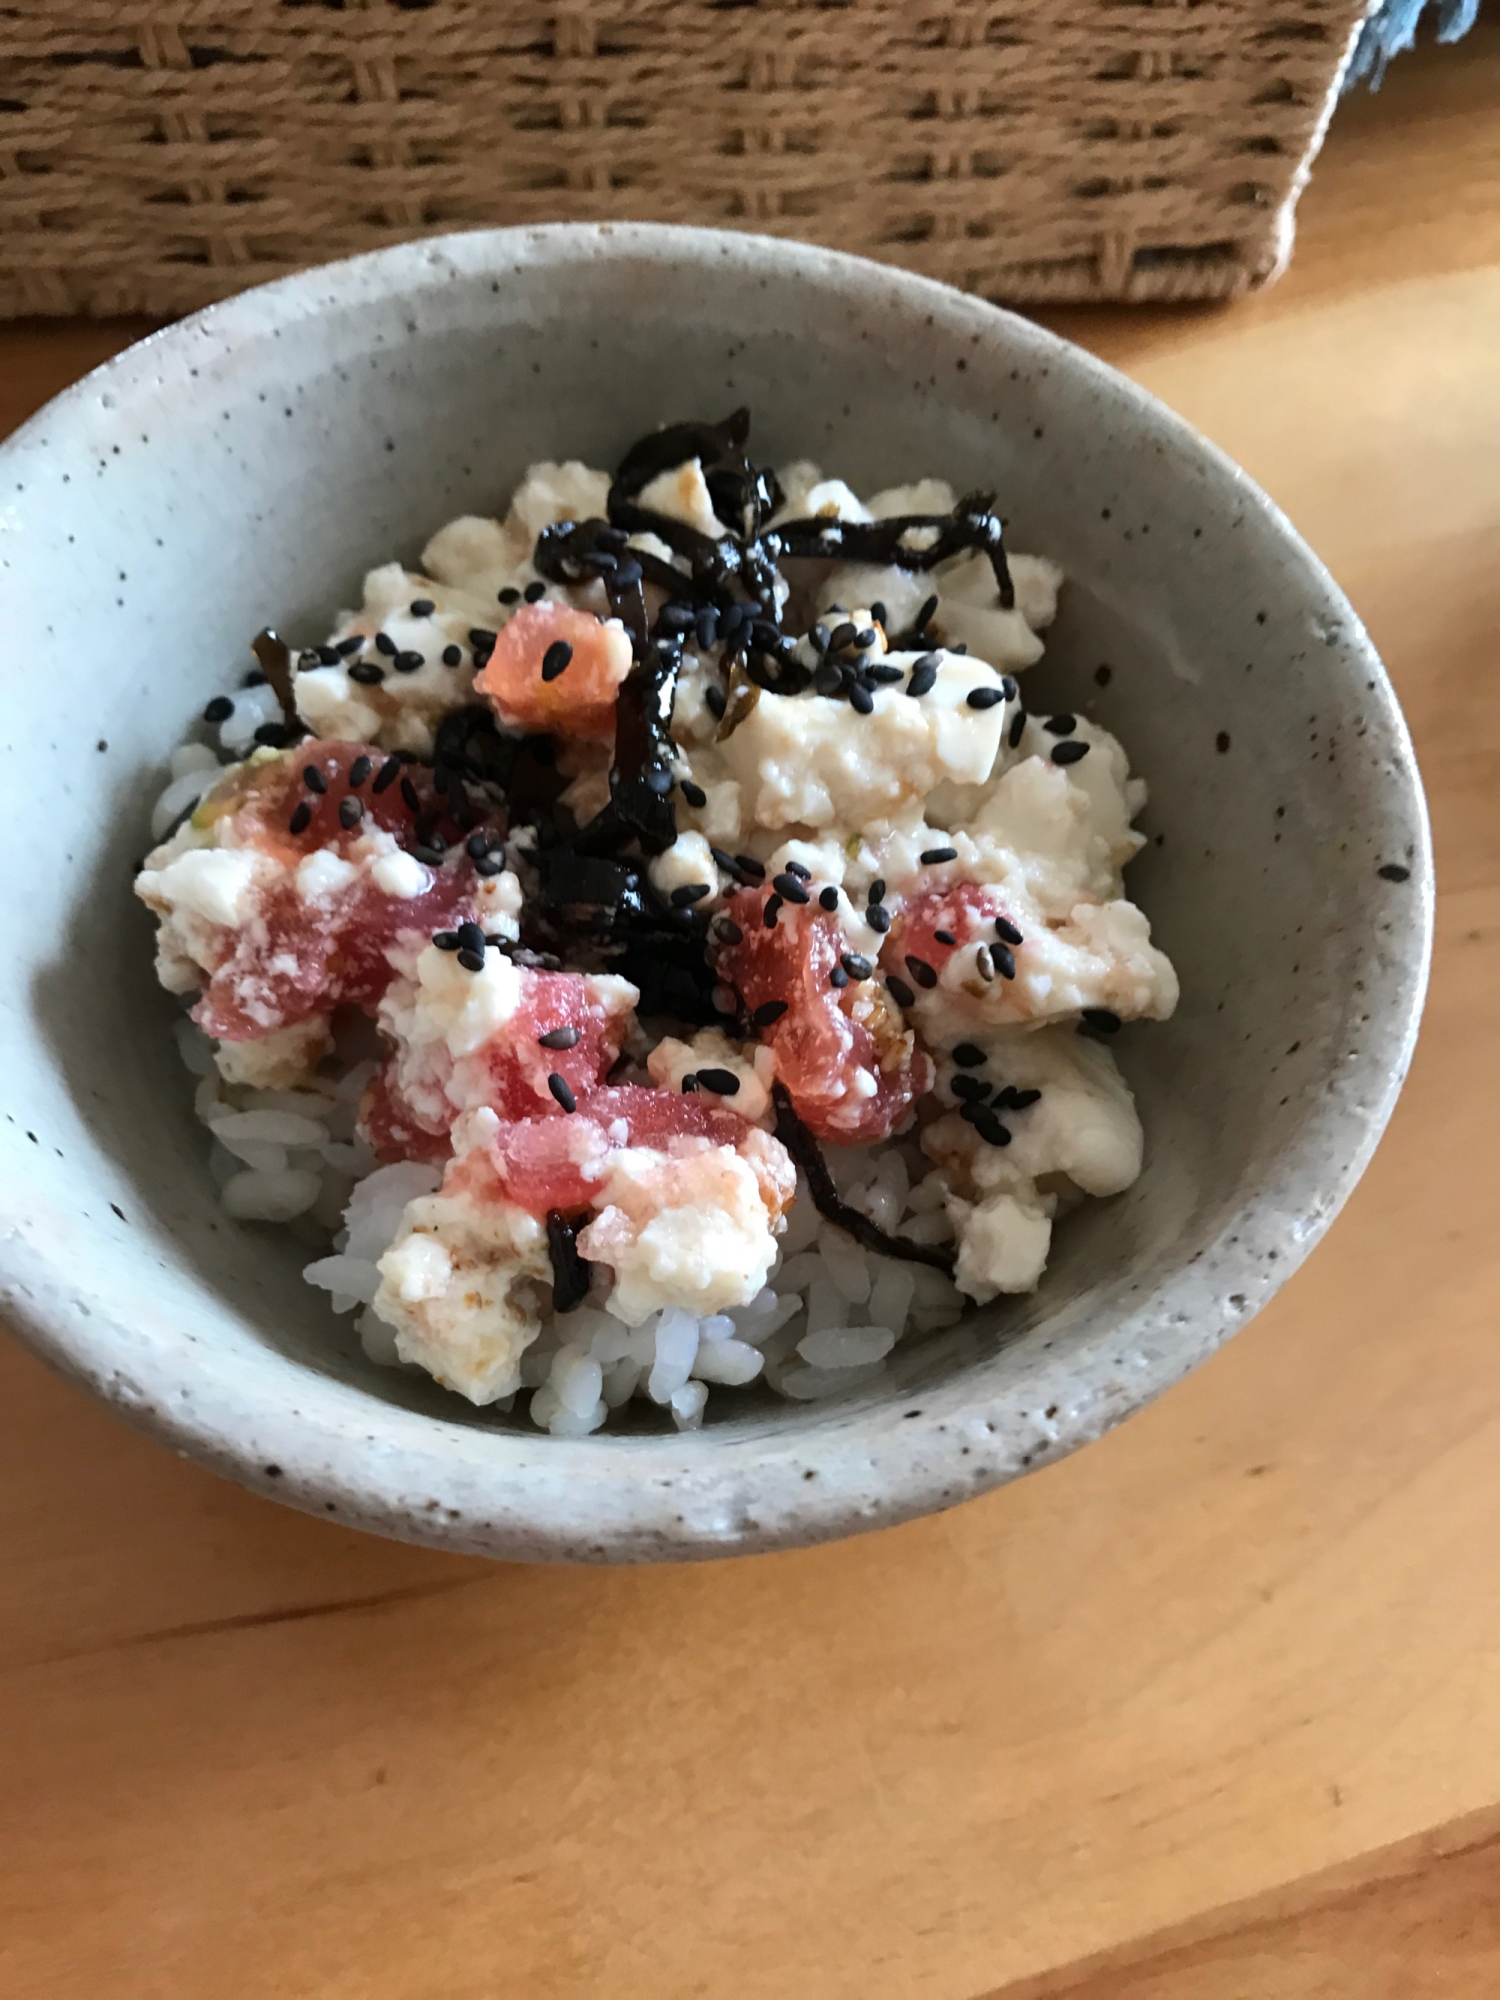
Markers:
point(579, 701)
point(829, 1037)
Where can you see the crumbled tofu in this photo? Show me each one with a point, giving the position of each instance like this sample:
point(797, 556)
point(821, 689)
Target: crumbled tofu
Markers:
point(804, 759)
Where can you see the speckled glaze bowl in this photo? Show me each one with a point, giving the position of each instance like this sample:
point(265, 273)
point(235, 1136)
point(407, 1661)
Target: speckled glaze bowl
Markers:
point(247, 465)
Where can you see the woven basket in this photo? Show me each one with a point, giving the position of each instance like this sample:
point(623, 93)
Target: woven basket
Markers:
point(156, 154)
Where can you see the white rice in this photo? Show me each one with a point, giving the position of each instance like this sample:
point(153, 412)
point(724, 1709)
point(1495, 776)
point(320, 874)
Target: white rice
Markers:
point(824, 1326)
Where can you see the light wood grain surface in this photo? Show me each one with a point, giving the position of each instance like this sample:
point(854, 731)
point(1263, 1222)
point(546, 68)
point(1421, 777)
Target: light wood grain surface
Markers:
point(1211, 1709)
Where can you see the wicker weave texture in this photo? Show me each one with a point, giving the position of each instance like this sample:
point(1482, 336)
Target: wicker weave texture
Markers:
point(157, 154)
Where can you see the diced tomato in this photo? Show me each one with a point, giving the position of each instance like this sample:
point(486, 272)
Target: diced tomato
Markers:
point(298, 959)
point(562, 1162)
point(828, 1035)
point(580, 701)
point(265, 801)
point(515, 1067)
point(304, 956)
point(966, 913)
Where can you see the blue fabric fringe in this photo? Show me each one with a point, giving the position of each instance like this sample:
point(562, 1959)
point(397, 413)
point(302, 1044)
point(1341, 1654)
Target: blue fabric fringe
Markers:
point(1392, 29)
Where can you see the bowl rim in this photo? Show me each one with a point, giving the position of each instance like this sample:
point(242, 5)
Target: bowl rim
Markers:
point(865, 1465)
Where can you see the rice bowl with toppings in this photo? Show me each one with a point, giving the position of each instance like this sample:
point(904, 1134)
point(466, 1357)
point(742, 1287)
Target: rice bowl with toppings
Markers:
point(651, 947)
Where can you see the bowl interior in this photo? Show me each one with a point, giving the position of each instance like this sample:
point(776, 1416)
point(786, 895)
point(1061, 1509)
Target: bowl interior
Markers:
point(247, 468)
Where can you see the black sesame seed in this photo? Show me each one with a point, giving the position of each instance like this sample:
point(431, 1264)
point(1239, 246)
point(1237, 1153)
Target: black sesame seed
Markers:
point(556, 659)
point(676, 617)
point(534, 592)
point(446, 940)
point(722, 1082)
point(366, 673)
point(1392, 871)
point(689, 1085)
point(1017, 728)
point(878, 919)
point(409, 662)
point(1221, 741)
point(921, 971)
point(219, 709)
point(829, 897)
point(767, 1012)
point(390, 771)
point(482, 639)
point(841, 635)
point(351, 812)
point(300, 819)
point(1010, 687)
point(409, 794)
point(471, 937)
point(790, 889)
point(883, 674)
point(827, 680)
point(771, 912)
point(861, 700)
point(272, 734)
point(988, 1126)
point(422, 607)
point(477, 846)
point(984, 965)
point(899, 991)
point(558, 1085)
point(1004, 960)
point(750, 867)
point(818, 635)
point(1011, 1099)
point(796, 868)
point(628, 571)
point(727, 931)
point(359, 770)
point(384, 643)
point(1060, 725)
point(865, 638)
point(452, 655)
point(510, 595)
point(471, 961)
point(314, 780)
point(713, 700)
point(1071, 752)
point(558, 1038)
point(923, 676)
point(969, 1056)
point(879, 613)
point(688, 893)
point(944, 937)
point(694, 794)
point(934, 857)
point(984, 697)
point(347, 647)
point(856, 965)
point(926, 614)
point(254, 679)
point(973, 1089)
point(838, 977)
point(1101, 1019)
point(877, 890)
point(430, 851)
point(1006, 931)
point(490, 864)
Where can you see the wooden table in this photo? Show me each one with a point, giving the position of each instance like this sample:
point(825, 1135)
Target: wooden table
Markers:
point(1210, 1710)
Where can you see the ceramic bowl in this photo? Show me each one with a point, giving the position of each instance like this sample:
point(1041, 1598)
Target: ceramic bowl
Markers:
point(247, 465)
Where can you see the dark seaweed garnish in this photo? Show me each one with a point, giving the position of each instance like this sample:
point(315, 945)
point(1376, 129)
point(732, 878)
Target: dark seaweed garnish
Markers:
point(571, 1274)
point(805, 1150)
point(275, 658)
